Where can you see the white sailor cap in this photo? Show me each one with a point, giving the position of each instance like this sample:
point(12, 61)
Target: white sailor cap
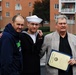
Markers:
point(33, 18)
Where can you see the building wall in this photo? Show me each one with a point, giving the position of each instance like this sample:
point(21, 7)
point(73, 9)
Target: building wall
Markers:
point(25, 10)
point(53, 12)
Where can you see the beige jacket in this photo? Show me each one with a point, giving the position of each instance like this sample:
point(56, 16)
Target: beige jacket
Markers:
point(51, 41)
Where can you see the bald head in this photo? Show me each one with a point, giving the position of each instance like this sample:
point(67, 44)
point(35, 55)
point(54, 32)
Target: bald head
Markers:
point(17, 16)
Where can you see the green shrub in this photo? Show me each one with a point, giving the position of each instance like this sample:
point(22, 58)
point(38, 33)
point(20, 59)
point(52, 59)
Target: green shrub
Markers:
point(45, 29)
point(45, 33)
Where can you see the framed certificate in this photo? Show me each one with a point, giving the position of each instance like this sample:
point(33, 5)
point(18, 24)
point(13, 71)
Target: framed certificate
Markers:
point(59, 60)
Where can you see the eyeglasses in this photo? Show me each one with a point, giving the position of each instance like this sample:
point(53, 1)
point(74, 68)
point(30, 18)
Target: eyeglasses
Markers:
point(36, 24)
point(62, 23)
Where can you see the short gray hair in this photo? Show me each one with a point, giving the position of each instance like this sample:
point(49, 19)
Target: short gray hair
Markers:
point(62, 17)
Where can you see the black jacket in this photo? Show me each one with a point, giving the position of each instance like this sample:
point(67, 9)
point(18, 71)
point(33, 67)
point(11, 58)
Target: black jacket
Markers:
point(30, 52)
point(10, 53)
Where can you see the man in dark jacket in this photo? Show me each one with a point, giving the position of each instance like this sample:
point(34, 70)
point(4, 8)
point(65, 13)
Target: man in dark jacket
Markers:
point(10, 55)
point(31, 42)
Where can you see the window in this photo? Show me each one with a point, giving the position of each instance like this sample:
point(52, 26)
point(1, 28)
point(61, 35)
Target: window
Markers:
point(18, 7)
point(68, 16)
point(56, 6)
point(18, 13)
point(30, 4)
point(30, 13)
point(7, 14)
point(55, 16)
point(0, 8)
point(0, 17)
point(7, 4)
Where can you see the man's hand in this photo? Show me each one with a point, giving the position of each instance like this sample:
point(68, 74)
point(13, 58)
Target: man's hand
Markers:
point(72, 61)
point(40, 33)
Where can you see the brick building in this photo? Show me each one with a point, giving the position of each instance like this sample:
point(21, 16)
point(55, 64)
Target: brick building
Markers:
point(8, 8)
point(67, 7)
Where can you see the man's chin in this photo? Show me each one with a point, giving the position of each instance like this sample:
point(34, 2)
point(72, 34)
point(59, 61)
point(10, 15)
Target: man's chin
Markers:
point(34, 31)
point(19, 31)
point(62, 31)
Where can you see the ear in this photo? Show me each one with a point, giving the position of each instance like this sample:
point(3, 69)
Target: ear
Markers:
point(55, 25)
point(27, 23)
point(12, 23)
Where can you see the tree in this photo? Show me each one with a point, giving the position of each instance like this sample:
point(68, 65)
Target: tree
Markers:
point(42, 9)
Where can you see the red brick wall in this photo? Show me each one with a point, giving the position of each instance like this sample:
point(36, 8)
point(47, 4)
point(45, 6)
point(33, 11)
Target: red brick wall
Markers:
point(25, 10)
point(53, 11)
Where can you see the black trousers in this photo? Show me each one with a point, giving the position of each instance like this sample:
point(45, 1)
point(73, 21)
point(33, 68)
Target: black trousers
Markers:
point(30, 74)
